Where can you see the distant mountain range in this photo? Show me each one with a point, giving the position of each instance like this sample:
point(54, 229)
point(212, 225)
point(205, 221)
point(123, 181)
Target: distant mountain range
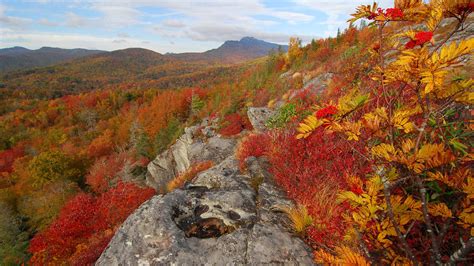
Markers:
point(15, 58)
point(234, 51)
point(20, 58)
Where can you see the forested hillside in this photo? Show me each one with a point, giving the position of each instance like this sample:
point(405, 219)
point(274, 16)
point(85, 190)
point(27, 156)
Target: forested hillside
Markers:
point(16, 58)
point(371, 137)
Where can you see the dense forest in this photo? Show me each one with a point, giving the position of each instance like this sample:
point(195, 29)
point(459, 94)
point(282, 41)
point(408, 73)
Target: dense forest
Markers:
point(378, 158)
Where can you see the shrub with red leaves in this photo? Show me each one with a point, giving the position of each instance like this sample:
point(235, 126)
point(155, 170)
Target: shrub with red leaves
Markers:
point(305, 168)
point(85, 225)
point(234, 124)
point(252, 145)
point(421, 38)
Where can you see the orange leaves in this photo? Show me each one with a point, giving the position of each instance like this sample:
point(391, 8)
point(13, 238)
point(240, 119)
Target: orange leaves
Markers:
point(345, 256)
point(101, 145)
point(440, 209)
point(164, 106)
point(179, 180)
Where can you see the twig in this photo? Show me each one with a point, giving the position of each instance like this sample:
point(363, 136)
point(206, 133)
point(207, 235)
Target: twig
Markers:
point(462, 252)
point(426, 217)
point(386, 192)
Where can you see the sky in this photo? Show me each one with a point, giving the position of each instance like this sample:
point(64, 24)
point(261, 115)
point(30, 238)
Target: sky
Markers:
point(168, 25)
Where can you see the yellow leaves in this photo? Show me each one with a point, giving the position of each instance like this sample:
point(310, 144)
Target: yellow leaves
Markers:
point(435, 15)
point(407, 145)
point(428, 156)
point(375, 120)
point(351, 129)
point(362, 12)
point(450, 53)
point(433, 79)
point(456, 180)
point(344, 256)
point(384, 150)
point(434, 72)
point(466, 218)
point(401, 119)
point(351, 101)
point(307, 127)
point(431, 156)
point(299, 217)
point(440, 209)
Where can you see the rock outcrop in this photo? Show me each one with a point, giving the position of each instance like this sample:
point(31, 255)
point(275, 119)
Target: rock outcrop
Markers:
point(223, 217)
point(198, 143)
point(258, 116)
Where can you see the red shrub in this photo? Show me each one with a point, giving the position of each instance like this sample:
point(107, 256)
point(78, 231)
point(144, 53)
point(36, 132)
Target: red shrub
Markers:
point(307, 168)
point(252, 145)
point(104, 170)
point(234, 124)
point(85, 225)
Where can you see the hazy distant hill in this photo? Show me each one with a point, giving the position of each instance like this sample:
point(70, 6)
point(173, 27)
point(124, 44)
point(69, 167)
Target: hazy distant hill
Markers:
point(16, 58)
point(234, 51)
point(137, 66)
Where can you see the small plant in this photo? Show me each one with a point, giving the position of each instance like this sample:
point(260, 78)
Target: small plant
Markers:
point(284, 115)
point(189, 174)
point(234, 124)
point(252, 145)
point(300, 218)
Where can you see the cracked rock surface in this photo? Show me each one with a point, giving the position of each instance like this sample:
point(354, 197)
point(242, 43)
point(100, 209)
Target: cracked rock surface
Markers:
point(223, 217)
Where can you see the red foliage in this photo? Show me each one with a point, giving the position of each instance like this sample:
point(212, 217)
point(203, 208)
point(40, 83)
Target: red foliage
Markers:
point(7, 158)
point(306, 167)
point(78, 231)
point(326, 111)
point(105, 170)
point(421, 38)
point(394, 13)
point(234, 124)
point(390, 13)
point(252, 145)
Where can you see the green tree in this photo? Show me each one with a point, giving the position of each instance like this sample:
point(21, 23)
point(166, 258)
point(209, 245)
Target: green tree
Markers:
point(13, 241)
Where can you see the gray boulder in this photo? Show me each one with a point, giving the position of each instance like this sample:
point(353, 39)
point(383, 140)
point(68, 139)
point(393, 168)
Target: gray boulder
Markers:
point(224, 217)
point(258, 116)
point(187, 150)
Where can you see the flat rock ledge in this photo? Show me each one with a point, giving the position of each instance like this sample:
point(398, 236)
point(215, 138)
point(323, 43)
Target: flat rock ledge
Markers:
point(223, 217)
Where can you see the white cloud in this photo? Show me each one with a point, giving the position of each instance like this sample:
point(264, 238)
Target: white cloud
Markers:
point(174, 23)
point(35, 40)
point(74, 20)
point(117, 15)
point(47, 22)
point(11, 21)
point(338, 11)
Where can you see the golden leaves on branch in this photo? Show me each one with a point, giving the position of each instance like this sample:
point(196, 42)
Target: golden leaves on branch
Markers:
point(427, 157)
point(440, 209)
point(345, 256)
point(309, 124)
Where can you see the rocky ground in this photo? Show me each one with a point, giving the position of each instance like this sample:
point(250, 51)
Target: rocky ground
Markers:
point(224, 216)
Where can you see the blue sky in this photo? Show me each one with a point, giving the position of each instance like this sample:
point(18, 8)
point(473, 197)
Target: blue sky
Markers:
point(167, 25)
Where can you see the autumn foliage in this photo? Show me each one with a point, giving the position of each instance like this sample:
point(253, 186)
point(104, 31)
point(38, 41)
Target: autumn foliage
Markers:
point(188, 175)
point(85, 225)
